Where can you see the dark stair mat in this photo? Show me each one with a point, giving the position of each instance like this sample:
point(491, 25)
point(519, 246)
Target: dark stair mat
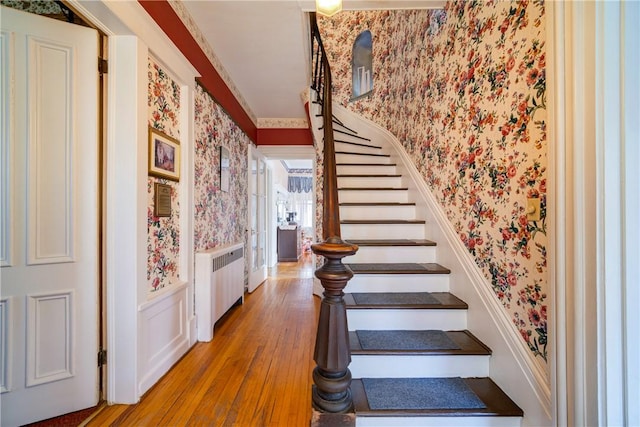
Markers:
point(392, 242)
point(496, 400)
point(468, 345)
point(406, 340)
point(398, 268)
point(405, 300)
point(420, 393)
point(390, 298)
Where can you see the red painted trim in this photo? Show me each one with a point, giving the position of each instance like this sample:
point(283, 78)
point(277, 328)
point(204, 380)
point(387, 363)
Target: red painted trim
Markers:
point(280, 136)
point(170, 23)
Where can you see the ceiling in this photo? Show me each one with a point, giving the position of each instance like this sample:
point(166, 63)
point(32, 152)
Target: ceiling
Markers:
point(263, 45)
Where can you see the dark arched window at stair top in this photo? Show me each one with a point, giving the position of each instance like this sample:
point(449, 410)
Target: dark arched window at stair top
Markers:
point(361, 65)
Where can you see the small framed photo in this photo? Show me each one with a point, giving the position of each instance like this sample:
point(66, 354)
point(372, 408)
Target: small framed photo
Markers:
point(225, 164)
point(164, 155)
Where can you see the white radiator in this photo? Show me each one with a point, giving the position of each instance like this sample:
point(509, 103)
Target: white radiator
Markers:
point(219, 285)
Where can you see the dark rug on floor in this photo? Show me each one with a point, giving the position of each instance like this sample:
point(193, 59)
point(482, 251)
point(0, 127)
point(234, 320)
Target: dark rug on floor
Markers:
point(399, 298)
point(420, 393)
point(406, 340)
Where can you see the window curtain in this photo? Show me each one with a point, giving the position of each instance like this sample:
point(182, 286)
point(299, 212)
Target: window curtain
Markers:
point(302, 205)
point(300, 184)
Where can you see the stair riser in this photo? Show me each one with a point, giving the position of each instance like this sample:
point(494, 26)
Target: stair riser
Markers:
point(354, 158)
point(369, 182)
point(373, 196)
point(438, 421)
point(351, 148)
point(390, 366)
point(398, 283)
point(365, 169)
point(378, 212)
point(409, 319)
point(393, 254)
point(383, 231)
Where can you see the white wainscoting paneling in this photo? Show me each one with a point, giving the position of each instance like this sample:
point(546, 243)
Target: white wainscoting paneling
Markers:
point(164, 335)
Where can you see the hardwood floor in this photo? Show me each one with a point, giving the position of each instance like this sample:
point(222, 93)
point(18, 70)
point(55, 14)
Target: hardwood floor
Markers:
point(255, 372)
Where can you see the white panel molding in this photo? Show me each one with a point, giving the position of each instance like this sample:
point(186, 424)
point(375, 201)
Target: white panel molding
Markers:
point(49, 337)
point(6, 142)
point(5, 344)
point(159, 352)
point(50, 201)
point(513, 367)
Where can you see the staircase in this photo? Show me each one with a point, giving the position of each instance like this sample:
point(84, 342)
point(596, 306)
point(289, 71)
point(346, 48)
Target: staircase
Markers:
point(414, 363)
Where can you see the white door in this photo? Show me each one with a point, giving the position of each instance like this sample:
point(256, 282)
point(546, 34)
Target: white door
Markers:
point(257, 218)
point(49, 232)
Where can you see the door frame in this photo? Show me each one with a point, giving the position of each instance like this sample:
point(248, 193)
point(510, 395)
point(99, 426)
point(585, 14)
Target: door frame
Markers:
point(132, 37)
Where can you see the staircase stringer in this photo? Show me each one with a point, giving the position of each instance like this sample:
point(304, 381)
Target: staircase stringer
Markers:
point(512, 365)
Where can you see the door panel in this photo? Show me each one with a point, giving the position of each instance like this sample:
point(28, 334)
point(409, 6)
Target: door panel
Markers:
point(49, 302)
point(257, 221)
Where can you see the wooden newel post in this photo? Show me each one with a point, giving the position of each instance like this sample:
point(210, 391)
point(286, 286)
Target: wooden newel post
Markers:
point(332, 378)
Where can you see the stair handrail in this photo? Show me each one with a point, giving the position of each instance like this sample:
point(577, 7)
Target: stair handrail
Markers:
point(331, 391)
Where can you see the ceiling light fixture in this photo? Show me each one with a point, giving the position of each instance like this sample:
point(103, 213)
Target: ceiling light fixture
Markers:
point(328, 7)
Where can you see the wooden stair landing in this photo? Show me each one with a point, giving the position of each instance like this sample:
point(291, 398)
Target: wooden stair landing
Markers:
point(496, 401)
point(468, 343)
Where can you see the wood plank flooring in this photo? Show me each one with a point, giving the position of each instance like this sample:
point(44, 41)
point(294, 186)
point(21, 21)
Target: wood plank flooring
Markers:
point(255, 372)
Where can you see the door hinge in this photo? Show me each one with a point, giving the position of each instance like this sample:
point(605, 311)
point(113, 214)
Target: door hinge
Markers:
point(103, 66)
point(102, 357)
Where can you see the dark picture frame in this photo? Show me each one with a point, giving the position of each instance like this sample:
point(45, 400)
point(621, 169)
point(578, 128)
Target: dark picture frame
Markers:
point(164, 155)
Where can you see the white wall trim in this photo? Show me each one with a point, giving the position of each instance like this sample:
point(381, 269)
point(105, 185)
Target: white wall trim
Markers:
point(126, 212)
point(512, 364)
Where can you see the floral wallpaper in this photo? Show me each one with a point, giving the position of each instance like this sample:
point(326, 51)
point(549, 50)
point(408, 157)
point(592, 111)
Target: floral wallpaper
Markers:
point(163, 234)
point(464, 91)
point(220, 217)
point(40, 7)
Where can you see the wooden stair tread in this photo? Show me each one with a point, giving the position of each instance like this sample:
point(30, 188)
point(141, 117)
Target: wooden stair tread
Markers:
point(445, 300)
point(378, 204)
point(383, 221)
point(372, 188)
point(368, 176)
point(398, 268)
point(358, 144)
point(496, 401)
point(468, 343)
point(363, 154)
point(392, 242)
point(366, 164)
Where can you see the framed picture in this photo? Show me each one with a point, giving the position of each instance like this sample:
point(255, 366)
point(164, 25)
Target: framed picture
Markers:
point(164, 155)
point(224, 169)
